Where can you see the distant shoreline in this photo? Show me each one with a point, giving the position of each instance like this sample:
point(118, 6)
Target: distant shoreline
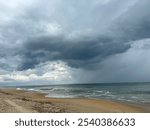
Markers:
point(20, 101)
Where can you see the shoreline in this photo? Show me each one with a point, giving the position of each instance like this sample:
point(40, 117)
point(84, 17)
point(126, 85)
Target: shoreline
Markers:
point(21, 101)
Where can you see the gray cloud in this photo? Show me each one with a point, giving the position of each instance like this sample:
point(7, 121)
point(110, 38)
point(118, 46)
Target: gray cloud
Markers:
point(75, 53)
point(83, 34)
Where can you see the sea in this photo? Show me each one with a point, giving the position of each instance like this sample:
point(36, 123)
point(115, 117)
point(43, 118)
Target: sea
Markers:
point(128, 92)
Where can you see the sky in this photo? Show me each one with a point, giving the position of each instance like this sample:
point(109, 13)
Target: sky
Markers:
point(74, 41)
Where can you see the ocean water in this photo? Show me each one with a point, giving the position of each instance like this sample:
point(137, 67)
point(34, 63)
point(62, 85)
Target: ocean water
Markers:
point(131, 92)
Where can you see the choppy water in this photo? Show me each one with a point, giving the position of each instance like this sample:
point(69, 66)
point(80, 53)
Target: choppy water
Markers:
point(132, 92)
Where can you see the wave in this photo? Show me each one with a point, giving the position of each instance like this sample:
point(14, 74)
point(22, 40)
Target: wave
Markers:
point(123, 93)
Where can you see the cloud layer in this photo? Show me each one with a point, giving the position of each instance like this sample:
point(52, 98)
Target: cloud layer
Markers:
point(95, 41)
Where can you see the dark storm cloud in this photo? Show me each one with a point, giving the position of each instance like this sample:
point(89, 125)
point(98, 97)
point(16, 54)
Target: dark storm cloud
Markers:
point(128, 26)
point(75, 53)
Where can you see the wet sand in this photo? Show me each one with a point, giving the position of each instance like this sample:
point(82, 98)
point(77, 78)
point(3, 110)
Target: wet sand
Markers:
point(19, 101)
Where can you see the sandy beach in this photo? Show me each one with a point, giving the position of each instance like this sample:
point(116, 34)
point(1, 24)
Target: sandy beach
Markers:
point(19, 101)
